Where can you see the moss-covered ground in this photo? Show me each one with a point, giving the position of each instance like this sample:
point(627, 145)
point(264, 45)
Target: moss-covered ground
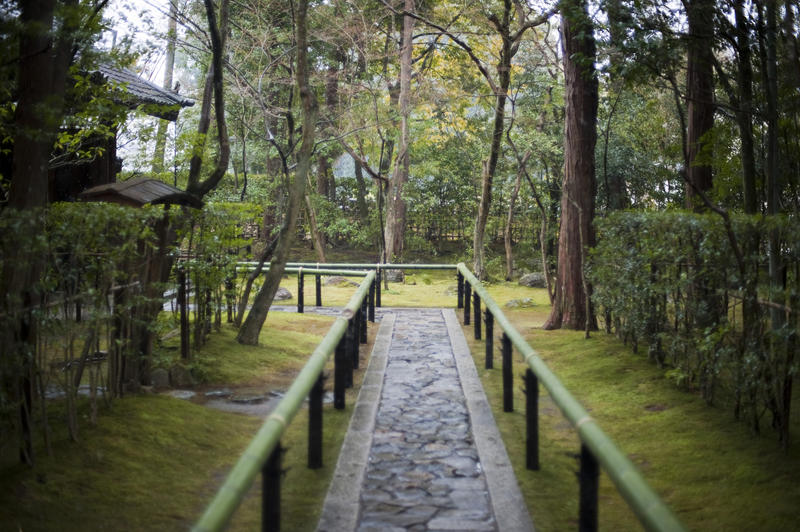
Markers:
point(710, 469)
point(154, 462)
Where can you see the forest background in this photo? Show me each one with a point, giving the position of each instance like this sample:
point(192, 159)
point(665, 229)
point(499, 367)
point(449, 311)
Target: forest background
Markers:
point(642, 156)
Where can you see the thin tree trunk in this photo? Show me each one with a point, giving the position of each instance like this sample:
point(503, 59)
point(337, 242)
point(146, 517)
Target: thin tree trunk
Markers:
point(251, 328)
point(361, 194)
point(396, 204)
point(169, 66)
point(490, 166)
point(510, 220)
point(317, 236)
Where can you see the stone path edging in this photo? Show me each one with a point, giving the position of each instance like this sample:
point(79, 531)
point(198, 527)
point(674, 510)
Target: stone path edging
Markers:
point(340, 510)
point(509, 506)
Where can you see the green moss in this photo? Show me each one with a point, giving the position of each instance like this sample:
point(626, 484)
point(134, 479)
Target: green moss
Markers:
point(154, 462)
point(284, 344)
point(136, 470)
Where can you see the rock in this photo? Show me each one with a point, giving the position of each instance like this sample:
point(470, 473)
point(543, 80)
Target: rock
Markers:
point(219, 393)
point(159, 378)
point(248, 399)
point(394, 276)
point(180, 377)
point(283, 294)
point(181, 394)
point(533, 280)
point(338, 280)
point(520, 303)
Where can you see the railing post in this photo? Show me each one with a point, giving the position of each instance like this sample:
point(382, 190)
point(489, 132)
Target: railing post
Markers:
point(489, 339)
point(363, 322)
point(460, 277)
point(467, 297)
point(315, 424)
point(531, 421)
point(589, 478)
point(378, 278)
point(508, 390)
point(476, 311)
point(340, 373)
point(271, 491)
point(372, 301)
point(352, 350)
point(300, 290)
point(318, 289)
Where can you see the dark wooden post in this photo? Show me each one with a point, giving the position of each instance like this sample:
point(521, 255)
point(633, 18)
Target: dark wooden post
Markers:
point(372, 301)
point(315, 424)
point(489, 339)
point(362, 322)
point(352, 349)
point(300, 287)
point(508, 390)
point(589, 478)
point(531, 421)
point(476, 311)
point(271, 491)
point(378, 287)
point(467, 297)
point(182, 306)
point(318, 289)
point(460, 277)
point(339, 373)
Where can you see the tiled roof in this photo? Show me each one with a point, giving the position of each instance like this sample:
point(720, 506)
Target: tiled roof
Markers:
point(139, 91)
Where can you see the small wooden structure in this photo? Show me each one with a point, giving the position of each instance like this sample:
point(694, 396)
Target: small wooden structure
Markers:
point(140, 191)
point(70, 179)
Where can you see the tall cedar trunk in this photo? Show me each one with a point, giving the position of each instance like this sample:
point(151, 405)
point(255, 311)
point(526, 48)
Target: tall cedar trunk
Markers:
point(700, 96)
point(744, 111)
point(396, 203)
point(578, 189)
point(251, 327)
point(169, 66)
point(41, 79)
point(489, 168)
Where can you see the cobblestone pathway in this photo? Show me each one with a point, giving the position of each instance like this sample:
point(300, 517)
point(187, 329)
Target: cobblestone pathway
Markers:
point(423, 471)
point(422, 452)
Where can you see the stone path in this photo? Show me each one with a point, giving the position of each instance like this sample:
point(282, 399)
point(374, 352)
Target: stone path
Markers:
point(421, 454)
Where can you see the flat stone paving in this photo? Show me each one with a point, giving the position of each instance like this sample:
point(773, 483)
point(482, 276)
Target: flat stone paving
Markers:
point(422, 470)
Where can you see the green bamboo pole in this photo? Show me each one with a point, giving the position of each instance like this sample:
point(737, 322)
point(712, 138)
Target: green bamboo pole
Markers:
point(361, 265)
point(646, 504)
point(230, 495)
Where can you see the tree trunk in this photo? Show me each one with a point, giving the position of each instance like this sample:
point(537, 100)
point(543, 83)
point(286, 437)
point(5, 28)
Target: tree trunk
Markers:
point(744, 112)
point(361, 190)
point(490, 166)
point(570, 309)
point(43, 64)
point(316, 234)
point(700, 96)
point(169, 66)
point(396, 204)
point(510, 220)
point(251, 328)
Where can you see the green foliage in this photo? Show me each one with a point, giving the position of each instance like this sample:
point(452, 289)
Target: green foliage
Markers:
point(671, 281)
